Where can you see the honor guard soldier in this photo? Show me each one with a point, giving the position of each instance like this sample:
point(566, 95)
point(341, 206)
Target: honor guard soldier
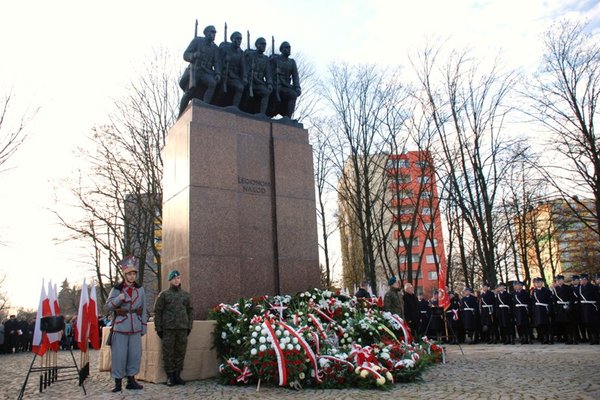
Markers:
point(424, 313)
point(128, 301)
point(542, 311)
point(487, 314)
point(470, 315)
point(577, 327)
point(173, 321)
point(590, 314)
point(563, 303)
point(521, 303)
point(453, 318)
point(504, 314)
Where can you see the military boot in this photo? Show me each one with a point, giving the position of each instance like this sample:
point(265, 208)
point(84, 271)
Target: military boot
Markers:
point(171, 379)
point(118, 386)
point(178, 380)
point(132, 384)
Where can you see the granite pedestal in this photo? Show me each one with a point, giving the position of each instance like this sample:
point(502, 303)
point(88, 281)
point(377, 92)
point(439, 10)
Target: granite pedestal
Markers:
point(239, 206)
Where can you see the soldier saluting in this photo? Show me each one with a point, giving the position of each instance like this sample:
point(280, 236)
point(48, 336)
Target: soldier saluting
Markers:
point(173, 320)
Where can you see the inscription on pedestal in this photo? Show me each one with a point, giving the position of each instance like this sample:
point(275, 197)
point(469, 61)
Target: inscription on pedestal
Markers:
point(256, 186)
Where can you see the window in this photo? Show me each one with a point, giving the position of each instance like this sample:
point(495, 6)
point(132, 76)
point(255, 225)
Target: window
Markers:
point(415, 242)
point(428, 226)
point(432, 275)
point(424, 179)
point(403, 163)
point(425, 195)
point(422, 164)
point(426, 211)
point(403, 259)
point(432, 259)
point(431, 243)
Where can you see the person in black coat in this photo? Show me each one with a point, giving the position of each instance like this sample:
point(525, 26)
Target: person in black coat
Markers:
point(578, 329)
point(590, 301)
point(563, 302)
point(424, 314)
point(470, 315)
point(541, 300)
point(453, 318)
point(436, 320)
point(504, 308)
point(486, 311)
point(362, 291)
point(521, 311)
point(411, 308)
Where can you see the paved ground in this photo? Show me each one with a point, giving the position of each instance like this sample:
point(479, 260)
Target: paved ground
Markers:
point(484, 372)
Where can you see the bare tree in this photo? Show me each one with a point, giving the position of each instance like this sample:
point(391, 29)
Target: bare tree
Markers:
point(12, 134)
point(121, 199)
point(564, 95)
point(468, 108)
point(358, 98)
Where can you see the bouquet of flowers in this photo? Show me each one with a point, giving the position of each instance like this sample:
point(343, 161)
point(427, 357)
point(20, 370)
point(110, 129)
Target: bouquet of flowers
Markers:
point(320, 339)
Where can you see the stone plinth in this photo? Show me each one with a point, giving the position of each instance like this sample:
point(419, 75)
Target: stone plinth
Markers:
point(239, 206)
point(200, 362)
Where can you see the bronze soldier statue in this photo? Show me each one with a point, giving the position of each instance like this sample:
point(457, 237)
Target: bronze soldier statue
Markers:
point(260, 84)
point(287, 83)
point(204, 72)
point(233, 71)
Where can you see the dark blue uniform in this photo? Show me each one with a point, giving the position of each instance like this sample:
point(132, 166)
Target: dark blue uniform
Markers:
point(590, 314)
point(541, 300)
point(563, 303)
point(504, 316)
point(424, 314)
point(470, 316)
point(522, 306)
point(486, 309)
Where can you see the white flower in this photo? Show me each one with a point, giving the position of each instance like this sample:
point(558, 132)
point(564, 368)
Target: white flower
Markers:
point(295, 340)
point(278, 332)
point(269, 339)
point(254, 334)
point(253, 352)
point(385, 356)
point(223, 335)
point(262, 347)
point(252, 341)
point(264, 332)
point(257, 328)
point(262, 339)
point(364, 373)
point(389, 376)
point(345, 335)
point(290, 347)
point(357, 370)
point(301, 375)
point(286, 333)
point(239, 341)
point(381, 381)
point(297, 347)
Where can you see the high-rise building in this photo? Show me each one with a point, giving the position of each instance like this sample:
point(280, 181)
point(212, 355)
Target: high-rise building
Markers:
point(402, 209)
point(556, 238)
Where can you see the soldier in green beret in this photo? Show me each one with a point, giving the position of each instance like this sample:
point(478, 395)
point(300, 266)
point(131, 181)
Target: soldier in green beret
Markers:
point(173, 320)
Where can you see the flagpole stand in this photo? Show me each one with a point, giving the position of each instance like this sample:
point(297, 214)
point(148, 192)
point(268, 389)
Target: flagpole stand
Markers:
point(49, 371)
point(442, 315)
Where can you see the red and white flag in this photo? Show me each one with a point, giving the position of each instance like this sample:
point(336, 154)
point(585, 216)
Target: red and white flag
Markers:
point(83, 322)
point(53, 338)
point(38, 346)
point(443, 299)
point(94, 331)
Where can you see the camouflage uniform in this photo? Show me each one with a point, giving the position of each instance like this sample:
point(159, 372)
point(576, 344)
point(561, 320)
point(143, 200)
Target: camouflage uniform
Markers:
point(173, 321)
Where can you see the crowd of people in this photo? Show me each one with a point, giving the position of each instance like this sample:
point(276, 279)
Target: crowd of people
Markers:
point(565, 313)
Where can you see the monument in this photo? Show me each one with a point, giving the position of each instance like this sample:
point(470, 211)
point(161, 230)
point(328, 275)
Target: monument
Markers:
point(239, 206)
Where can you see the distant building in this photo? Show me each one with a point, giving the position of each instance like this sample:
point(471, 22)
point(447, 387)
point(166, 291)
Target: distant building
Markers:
point(556, 239)
point(406, 221)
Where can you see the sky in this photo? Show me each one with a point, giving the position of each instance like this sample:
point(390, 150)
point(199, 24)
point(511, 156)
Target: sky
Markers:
point(70, 60)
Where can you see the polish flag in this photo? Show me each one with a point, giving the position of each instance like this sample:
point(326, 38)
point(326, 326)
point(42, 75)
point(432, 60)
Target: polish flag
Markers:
point(82, 319)
point(53, 338)
point(443, 298)
point(92, 313)
point(38, 345)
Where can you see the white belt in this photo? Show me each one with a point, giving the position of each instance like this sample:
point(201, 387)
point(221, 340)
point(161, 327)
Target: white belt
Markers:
point(521, 305)
point(562, 302)
point(423, 312)
point(487, 305)
point(541, 304)
point(504, 306)
point(469, 309)
point(589, 301)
